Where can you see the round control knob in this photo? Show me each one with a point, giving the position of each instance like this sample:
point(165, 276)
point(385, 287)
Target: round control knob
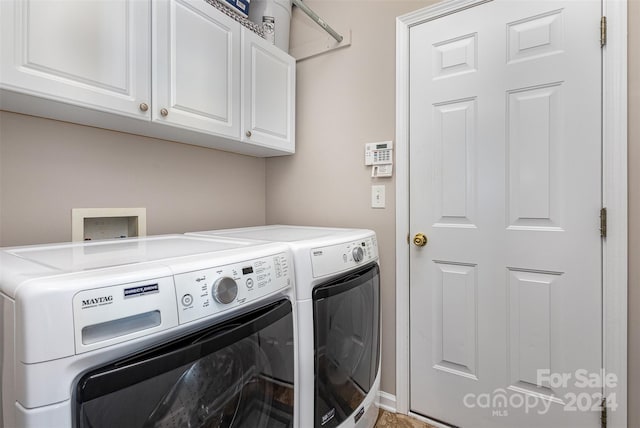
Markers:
point(224, 290)
point(358, 254)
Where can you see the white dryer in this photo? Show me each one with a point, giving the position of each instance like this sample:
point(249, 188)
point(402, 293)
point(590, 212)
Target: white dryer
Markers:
point(337, 288)
point(149, 332)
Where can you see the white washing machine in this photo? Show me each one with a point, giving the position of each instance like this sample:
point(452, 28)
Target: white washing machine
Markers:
point(337, 288)
point(160, 331)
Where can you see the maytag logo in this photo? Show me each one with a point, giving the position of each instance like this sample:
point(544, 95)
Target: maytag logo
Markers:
point(97, 301)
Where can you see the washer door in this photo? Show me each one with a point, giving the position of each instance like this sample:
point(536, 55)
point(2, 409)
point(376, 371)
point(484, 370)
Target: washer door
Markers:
point(229, 375)
point(346, 314)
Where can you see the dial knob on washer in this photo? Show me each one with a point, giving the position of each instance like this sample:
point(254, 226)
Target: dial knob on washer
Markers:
point(224, 290)
point(358, 254)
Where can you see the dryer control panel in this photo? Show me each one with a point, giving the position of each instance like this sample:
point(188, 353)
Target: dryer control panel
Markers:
point(211, 291)
point(340, 257)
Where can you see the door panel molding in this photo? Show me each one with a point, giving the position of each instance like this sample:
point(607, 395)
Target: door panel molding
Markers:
point(614, 196)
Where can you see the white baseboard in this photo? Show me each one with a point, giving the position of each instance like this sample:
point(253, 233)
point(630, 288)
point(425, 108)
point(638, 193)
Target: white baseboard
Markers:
point(386, 401)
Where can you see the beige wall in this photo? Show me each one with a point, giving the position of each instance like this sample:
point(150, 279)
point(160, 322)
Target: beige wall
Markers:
point(634, 212)
point(49, 167)
point(346, 98)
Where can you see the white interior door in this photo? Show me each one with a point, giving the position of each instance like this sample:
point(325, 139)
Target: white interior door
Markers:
point(505, 181)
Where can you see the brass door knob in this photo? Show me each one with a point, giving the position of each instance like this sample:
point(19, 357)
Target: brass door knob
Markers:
point(144, 107)
point(248, 133)
point(164, 112)
point(420, 240)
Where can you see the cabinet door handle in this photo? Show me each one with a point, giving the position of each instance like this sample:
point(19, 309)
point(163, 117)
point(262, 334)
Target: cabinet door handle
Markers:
point(144, 107)
point(248, 133)
point(164, 112)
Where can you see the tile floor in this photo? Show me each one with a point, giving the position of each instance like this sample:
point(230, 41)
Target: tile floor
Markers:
point(393, 420)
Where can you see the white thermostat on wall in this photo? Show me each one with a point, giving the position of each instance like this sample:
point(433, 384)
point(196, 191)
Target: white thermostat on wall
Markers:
point(380, 155)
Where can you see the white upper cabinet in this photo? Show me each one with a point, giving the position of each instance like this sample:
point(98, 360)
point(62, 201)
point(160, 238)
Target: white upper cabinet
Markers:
point(269, 83)
point(94, 54)
point(196, 59)
point(179, 70)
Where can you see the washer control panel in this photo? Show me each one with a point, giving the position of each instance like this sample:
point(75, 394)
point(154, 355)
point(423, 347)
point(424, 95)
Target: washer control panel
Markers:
point(211, 291)
point(340, 257)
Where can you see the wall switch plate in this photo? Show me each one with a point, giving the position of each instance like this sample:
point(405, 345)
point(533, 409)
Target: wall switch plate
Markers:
point(377, 196)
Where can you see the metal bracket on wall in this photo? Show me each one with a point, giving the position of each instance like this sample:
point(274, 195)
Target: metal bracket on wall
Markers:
point(314, 16)
point(327, 44)
point(319, 46)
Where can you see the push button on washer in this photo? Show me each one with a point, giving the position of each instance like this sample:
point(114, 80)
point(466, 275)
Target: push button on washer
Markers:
point(187, 300)
point(249, 283)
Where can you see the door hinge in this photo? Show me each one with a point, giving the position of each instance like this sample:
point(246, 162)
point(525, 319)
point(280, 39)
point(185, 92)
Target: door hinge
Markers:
point(603, 414)
point(603, 222)
point(603, 31)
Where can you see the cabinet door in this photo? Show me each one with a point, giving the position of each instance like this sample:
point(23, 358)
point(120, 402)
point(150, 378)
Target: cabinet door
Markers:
point(90, 53)
point(196, 64)
point(269, 78)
